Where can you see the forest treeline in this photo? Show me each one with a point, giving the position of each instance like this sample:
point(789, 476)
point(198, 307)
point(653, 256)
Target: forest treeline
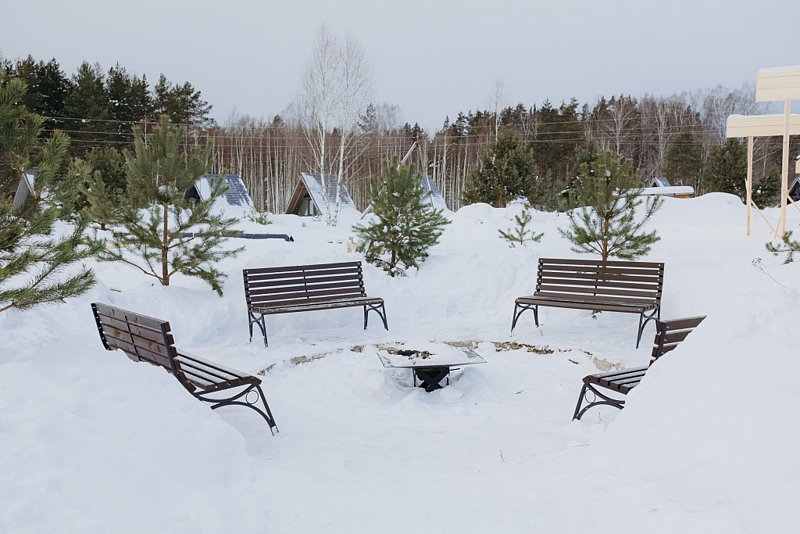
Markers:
point(681, 136)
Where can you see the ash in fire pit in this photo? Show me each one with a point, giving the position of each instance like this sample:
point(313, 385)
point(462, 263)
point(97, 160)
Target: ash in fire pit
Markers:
point(410, 353)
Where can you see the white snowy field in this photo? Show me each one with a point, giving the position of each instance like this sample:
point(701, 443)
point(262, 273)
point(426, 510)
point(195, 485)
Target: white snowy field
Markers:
point(92, 442)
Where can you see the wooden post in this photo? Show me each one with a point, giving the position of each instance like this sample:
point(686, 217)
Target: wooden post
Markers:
point(787, 110)
point(749, 185)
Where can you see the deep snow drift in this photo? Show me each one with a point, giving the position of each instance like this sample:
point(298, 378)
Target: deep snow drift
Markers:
point(92, 442)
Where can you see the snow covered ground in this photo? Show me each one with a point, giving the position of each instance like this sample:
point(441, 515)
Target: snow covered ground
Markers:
point(92, 442)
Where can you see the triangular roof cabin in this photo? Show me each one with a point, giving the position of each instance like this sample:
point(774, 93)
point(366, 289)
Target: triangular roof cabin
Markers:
point(308, 199)
point(236, 195)
point(24, 189)
point(658, 181)
point(431, 193)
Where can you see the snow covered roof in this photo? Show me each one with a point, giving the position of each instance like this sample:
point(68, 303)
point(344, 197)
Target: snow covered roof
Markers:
point(313, 183)
point(669, 191)
point(236, 195)
point(24, 189)
point(659, 181)
point(431, 193)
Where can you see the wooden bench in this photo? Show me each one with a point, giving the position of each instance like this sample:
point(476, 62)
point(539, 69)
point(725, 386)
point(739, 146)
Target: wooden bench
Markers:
point(668, 335)
point(150, 340)
point(299, 288)
point(617, 286)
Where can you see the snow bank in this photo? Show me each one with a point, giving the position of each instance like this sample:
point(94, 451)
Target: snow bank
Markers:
point(711, 424)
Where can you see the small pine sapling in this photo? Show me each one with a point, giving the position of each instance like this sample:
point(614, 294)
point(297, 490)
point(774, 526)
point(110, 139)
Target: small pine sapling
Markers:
point(405, 227)
point(158, 230)
point(787, 246)
point(604, 220)
point(521, 233)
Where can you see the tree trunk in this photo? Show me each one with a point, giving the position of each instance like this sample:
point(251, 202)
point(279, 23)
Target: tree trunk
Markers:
point(165, 248)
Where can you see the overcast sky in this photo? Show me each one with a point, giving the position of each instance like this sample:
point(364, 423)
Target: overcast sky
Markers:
point(433, 58)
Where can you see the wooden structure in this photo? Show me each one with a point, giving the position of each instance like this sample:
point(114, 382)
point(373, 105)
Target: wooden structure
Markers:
point(772, 85)
point(299, 288)
point(617, 286)
point(145, 339)
point(617, 384)
point(312, 192)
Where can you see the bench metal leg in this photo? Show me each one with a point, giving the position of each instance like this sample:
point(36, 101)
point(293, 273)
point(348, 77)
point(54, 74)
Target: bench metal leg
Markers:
point(260, 322)
point(377, 308)
point(599, 400)
point(644, 319)
point(519, 309)
point(243, 399)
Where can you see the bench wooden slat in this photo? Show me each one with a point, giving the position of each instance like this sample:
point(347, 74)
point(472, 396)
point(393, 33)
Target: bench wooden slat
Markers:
point(599, 290)
point(328, 267)
point(611, 263)
point(609, 277)
point(651, 286)
point(118, 313)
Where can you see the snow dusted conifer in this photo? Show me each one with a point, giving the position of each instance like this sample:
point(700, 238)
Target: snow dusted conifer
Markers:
point(153, 217)
point(605, 197)
point(521, 233)
point(35, 263)
point(406, 225)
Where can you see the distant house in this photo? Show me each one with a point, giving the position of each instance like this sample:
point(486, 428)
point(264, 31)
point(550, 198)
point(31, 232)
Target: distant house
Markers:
point(25, 189)
point(658, 181)
point(308, 198)
point(659, 185)
point(236, 194)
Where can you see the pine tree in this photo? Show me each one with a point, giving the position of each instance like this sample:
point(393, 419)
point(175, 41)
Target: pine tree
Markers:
point(684, 160)
point(35, 265)
point(521, 233)
point(153, 217)
point(605, 197)
point(726, 169)
point(182, 103)
point(506, 171)
point(405, 227)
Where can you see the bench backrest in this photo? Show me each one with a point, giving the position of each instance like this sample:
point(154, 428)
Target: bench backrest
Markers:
point(303, 284)
point(626, 280)
point(669, 334)
point(141, 337)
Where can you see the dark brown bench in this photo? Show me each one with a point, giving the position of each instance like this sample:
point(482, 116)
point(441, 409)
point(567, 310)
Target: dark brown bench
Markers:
point(668, 335)
point(616, 286)
point(150, 340)
point(299, 288)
